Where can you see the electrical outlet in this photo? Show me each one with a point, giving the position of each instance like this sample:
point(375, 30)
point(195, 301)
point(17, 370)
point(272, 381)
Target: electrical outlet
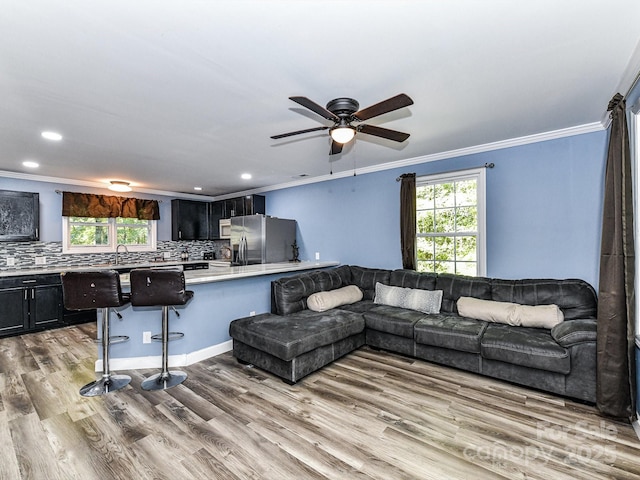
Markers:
point(252, 314)
point(317, 255)
point(11, 261)
point(41, 260)
point(146, 337)
point(167, 255)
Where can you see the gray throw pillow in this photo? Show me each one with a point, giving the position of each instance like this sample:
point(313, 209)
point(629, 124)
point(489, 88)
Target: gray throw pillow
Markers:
point(426, 301)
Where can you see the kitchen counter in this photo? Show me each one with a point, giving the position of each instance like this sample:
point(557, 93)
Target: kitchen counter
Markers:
point(49, 269)
point(222, 293)
point(220, 273)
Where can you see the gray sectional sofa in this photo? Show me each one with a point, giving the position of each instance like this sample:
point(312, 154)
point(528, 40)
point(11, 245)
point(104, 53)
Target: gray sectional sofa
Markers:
point(293, 341)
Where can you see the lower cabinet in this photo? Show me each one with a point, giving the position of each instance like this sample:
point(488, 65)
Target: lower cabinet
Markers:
point(34, 302)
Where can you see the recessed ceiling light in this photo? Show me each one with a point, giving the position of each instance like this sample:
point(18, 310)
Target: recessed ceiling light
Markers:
point(197, 188)
point(246, 176)
point(119, 186)
point(56, 137)
point(30, 164)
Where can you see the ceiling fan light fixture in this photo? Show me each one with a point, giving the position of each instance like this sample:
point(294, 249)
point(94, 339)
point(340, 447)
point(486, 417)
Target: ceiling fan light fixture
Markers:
point(119, 186)
point(342, 134)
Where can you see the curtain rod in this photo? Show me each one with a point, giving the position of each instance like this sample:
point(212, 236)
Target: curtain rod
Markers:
point(59, 192)
point(486, 165)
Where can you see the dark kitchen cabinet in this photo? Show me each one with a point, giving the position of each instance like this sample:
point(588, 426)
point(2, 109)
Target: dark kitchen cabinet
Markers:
point(216, 213)
point(190, 220)
point(246, 205)
point(29, 303)
point(19, 216)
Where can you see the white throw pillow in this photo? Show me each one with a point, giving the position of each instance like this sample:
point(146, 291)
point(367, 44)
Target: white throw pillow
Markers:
point(323, 301)
point(426, 301)
point(540, 316)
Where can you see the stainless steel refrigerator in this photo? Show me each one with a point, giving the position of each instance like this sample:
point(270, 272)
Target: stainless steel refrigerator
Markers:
point(262, 239)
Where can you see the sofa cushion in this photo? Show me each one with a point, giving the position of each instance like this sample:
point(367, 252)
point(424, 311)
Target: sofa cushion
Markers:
point(528, 347)
point(576, 298)
point(575, 332)
point(359, 307)
point(413, 279)
point(394, 320)
point(426, 301)
point(366, 279)
point(455, 286)
point(286, 337)
point(323, 301)
point(541, 316)
point(289, 294)
point(450, 331)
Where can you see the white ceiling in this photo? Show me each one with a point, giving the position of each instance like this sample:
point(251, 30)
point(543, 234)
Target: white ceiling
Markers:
point(172, 94)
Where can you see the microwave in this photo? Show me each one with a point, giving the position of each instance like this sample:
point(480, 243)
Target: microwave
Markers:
point(225, 228)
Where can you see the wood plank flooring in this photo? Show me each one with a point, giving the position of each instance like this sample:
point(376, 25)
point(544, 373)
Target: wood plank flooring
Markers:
point(369, 415)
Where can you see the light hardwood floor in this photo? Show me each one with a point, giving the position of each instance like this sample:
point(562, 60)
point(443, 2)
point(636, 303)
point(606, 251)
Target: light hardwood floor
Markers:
point(368, 415)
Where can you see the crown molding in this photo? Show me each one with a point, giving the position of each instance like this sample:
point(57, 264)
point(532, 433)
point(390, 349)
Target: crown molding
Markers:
point(86, 183)
point(487, 147)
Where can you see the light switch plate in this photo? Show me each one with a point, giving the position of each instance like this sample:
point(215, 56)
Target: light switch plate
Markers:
point(11, 261)
point(41, 260)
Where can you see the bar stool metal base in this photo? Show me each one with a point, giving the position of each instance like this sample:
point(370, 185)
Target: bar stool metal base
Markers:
point(164, 380)
point(105, 385)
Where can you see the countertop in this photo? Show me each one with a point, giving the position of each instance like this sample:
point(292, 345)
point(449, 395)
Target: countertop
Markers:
point(218, 270)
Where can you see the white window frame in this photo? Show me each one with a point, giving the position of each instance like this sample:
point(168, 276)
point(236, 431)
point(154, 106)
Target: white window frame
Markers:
point(479, 174)
point(113, 239)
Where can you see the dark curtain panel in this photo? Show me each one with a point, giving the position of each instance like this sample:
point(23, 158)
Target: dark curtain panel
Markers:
point(615, 393)
point(101, 206)
point(408, 220)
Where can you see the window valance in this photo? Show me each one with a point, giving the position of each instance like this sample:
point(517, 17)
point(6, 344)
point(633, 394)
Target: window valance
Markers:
point(102, 206)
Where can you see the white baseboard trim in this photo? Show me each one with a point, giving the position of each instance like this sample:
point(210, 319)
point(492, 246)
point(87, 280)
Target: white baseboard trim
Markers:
point(636, 427)
point(183, 360)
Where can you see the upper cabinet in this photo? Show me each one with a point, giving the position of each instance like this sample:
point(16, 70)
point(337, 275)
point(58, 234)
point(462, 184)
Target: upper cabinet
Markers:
point(19, 216)
point(246, 205)
point(194, 220)
point(190, 220)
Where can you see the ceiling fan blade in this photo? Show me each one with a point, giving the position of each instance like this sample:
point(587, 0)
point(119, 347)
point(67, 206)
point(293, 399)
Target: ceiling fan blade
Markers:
point(335, 148)
point(283, 135)
point(383, 132)
point(388, 105)
point(314, 107)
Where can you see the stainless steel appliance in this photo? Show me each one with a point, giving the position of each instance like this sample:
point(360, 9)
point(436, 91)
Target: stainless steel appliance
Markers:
point(262, 239)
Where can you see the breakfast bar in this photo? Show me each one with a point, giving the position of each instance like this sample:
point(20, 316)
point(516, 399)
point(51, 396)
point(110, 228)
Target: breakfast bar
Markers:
point(222, 293)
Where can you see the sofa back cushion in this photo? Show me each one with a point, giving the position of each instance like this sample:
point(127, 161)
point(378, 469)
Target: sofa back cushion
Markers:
point(289, 294)
point(455, 286)
point(576, 298)
point(413, 279)
point(366, 279)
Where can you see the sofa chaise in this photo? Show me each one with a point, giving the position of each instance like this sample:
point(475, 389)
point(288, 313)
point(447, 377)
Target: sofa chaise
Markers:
point(293, 340)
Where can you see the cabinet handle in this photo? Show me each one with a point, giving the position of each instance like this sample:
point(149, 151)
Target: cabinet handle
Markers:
point(25, 295)
point(29, 281)
point(33, 294)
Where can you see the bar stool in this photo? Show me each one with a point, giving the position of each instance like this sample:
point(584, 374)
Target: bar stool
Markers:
point(164, 287)
point(99, 290)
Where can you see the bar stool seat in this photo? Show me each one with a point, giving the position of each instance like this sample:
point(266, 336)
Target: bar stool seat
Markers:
point(98, 290)
point(161, 287)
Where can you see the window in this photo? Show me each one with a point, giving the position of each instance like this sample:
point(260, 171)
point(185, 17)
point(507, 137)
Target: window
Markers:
point(450, 216)
point(99, 235)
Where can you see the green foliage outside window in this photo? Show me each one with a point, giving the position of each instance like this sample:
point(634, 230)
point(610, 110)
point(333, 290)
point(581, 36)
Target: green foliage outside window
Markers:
point(85, 231)
point(447, 227)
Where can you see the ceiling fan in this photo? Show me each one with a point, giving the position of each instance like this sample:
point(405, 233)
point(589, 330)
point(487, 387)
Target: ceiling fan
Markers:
point(344, 111)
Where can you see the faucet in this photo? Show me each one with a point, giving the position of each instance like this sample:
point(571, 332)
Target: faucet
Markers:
point(118, 251)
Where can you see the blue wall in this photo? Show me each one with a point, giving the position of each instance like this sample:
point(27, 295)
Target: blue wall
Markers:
point(544, 210)
point(51, 205)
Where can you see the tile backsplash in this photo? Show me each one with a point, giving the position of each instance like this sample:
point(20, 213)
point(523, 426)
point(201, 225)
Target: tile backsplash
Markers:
point(27, 255)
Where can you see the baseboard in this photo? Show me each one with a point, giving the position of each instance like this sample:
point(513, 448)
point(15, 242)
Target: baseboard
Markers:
point(636, 427)
point(183, 360)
